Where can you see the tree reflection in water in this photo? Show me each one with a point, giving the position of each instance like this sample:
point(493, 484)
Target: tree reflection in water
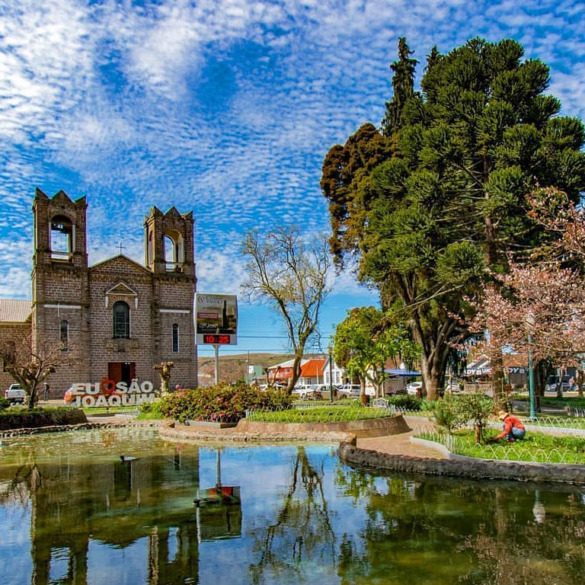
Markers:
point(437, 531)
point(74, 502)
point(302, 535)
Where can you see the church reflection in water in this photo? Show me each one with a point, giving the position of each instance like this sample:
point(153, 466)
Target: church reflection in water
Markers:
point(116, 504)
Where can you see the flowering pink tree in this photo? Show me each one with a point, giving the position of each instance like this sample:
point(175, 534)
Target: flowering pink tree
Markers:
point(541, 305)
point(553, 210)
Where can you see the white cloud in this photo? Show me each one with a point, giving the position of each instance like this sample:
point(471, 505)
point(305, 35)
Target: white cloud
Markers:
point(218, 272)
point(225, 107)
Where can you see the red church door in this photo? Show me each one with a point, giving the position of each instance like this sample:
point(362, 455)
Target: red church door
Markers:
point(122, 371)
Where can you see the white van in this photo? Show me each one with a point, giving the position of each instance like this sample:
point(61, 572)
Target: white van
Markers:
point(355, 390)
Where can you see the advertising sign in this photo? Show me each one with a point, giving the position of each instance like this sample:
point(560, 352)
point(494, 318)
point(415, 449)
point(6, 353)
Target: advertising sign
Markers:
point(216, 319)
point(109, 393)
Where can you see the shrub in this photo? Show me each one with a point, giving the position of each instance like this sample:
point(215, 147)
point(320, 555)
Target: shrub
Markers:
point(221, 403)
point(4, 404)
point(150, 410)
point(405, 401)
point(447, 413)
point(477, 409)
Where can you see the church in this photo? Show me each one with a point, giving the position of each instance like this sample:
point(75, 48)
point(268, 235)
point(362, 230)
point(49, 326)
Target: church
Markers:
point(118, 318)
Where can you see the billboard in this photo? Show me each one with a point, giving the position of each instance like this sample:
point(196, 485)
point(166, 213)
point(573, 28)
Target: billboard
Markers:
point(216, 319)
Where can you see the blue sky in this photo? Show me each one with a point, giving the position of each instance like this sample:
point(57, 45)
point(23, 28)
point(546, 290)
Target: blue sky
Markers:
point(223, 107)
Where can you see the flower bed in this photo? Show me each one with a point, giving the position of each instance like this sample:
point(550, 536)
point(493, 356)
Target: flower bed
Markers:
point(221, 404)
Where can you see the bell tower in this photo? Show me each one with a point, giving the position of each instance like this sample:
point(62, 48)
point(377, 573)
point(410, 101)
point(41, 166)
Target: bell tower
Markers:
point(169, 243)
point(169, 255)
point(60, 277)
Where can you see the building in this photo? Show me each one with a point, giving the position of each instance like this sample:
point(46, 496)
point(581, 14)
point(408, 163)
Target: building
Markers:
point(118, 318)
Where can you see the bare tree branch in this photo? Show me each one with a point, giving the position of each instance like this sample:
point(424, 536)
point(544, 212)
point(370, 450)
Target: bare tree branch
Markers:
point(290, 275)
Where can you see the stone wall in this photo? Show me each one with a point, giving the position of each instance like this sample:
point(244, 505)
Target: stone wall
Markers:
point(468, 468)
point(378, 427)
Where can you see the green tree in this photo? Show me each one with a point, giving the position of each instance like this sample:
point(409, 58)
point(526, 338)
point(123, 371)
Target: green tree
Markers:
point(363, 343)
point(476, 408)
point(402, 87)
point(444, 196)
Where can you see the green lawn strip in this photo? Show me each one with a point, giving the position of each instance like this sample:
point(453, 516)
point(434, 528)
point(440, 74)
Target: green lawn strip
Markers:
point(16, 410)
point(110, 411)
point(536, 447)
point(552, 401)
point(318, 413)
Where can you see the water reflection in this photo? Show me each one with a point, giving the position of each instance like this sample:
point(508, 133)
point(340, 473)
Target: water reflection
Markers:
point(300, 539)
point(117, 507)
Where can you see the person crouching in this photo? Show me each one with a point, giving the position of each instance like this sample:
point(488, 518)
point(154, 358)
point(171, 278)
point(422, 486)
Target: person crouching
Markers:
point(513, 428)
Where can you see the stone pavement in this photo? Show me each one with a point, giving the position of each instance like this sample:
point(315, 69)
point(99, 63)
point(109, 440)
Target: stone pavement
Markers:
point(400, 444)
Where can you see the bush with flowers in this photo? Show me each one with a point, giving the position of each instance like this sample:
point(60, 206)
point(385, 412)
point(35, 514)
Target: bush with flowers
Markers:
point(221, 403)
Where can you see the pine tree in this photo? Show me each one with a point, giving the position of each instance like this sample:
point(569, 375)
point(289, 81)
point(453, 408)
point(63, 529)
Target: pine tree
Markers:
point(402, 86)
point(447, 198)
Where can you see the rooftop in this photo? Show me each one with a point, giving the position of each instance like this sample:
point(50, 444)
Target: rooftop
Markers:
point(15, 311)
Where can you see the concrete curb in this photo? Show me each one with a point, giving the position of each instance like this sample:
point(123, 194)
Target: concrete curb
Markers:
point(464, 467)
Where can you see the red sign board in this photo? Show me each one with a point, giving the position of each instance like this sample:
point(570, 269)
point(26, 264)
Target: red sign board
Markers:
point(216, 339)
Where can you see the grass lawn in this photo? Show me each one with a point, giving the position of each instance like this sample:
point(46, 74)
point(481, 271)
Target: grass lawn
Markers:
point(536, 447)
point(320, 413)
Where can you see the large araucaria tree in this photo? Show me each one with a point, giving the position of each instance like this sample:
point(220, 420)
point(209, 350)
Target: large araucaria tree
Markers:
point(436, 196)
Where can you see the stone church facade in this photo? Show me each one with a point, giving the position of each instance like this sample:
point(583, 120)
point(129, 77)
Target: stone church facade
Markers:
point(117, 318)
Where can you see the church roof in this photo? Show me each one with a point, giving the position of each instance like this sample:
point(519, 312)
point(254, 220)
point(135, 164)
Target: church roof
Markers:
point(115, 260)
point(15, 311)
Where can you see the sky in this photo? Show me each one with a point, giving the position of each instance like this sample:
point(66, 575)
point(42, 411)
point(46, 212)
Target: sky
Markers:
point(223, 107)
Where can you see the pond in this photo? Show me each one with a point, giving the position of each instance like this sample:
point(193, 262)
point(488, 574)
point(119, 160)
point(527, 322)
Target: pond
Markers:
point(109, 507)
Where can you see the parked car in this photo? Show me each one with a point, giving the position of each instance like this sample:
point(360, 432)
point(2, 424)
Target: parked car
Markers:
point(414, 388)
point(565, 386)
point(15, 394)
point(320, 388)
point(265, 387)
point(349, 390)
point(354, 390)
point(306, 392)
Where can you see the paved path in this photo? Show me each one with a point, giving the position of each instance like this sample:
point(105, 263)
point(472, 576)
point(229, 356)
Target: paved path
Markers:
point(400, 444)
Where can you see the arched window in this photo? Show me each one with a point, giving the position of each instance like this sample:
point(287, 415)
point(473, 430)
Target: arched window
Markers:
point(64, 333)
point(174, 251)
point(61, 238)
point(121, 320)
point(175, 338)
point(149, 249)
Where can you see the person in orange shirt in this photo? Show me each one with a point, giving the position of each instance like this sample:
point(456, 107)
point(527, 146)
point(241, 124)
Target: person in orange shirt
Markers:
point(513, 428)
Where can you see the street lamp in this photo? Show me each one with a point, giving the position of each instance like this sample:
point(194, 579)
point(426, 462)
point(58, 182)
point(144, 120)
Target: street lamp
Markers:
point(330, 377)
point(530, 322)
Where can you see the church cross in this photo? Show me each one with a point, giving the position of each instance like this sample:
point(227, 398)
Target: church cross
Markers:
point(121, 247)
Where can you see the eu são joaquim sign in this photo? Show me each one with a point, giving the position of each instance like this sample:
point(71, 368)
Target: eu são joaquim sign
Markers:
point(216, 319)
point(109, 393)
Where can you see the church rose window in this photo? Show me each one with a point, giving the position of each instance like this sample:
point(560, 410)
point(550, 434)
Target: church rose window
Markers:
point(121, 320)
